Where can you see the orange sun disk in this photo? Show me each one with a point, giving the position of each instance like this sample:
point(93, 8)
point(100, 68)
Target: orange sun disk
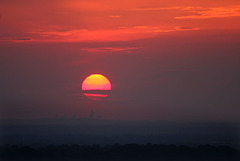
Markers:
point(96, 86)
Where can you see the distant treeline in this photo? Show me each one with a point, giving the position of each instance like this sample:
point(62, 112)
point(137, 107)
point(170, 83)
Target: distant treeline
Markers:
point(119, 152)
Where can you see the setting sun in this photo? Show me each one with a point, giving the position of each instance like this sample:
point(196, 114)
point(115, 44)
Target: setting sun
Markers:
point(96, 85)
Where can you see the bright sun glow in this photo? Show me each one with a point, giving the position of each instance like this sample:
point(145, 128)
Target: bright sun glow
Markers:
point(96, 82)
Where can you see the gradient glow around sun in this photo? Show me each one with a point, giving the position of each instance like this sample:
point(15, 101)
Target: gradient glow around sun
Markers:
point(96, 82)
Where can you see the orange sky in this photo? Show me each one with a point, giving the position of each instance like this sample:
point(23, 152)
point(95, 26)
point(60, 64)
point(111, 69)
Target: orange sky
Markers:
point(174, 59)
point(105, 20)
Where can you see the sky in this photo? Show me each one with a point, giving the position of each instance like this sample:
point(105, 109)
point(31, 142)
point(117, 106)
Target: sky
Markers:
point(166, 60)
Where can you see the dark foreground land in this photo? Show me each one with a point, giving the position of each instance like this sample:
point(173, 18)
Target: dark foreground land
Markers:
point(116, 152)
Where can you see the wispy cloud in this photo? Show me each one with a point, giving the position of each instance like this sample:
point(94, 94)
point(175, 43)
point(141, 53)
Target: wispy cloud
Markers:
point(205, 13)
point(156, 29)
point(144, 29)
point(186, 28)
point(156, 8)
point(114, 16)
point(85, 35)
point(200, 12)
point(17, 39)
point(109, 49)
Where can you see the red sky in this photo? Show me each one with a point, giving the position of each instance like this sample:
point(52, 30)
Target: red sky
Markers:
point(105, 20)
point(166, 60)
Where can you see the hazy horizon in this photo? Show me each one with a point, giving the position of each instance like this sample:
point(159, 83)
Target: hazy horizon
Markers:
point(80, 77)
